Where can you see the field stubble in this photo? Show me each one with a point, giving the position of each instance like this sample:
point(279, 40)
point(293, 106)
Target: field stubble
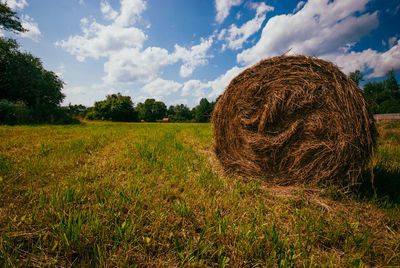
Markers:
point(109, 194)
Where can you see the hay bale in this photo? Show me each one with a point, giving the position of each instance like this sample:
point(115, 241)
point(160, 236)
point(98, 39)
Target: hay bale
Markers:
point(294, 119)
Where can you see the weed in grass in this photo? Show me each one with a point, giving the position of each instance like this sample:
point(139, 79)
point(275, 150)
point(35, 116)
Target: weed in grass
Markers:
point(44, 149)
point(5, 164)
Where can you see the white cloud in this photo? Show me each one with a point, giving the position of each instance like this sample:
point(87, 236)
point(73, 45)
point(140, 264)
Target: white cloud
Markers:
point(81, 2)
point(179, 101)
point(13, 4)
point(85, 95)
point(131, 65)
point(122, 46)
point(392, 41)
point(108, 12)
point(161, 87)
point(74, 90)
point(299, 6)
point(32, 28)
point(210, 89)
point(238, 15)
point(27, 22)
point(379, 62)
point(193, 57)
point(320, 27)
point(220, 83)
point(223, 7)
point(102, 41)
point(130, 12)
point(235, 36)
point(194, 88)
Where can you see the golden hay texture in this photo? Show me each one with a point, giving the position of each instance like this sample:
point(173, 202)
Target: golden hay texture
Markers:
point(294, 119)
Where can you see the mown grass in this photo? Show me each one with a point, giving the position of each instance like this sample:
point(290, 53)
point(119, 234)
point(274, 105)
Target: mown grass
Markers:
point(108, 194)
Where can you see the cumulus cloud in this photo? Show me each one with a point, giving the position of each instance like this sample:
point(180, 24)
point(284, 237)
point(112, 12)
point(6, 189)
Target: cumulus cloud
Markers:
point(298, 6)
point(392, 41)
point(84, 94)
point(13, 4)
point(379, 62)
point(194, 88)
point(193, 57)
point(220, 83)
point(130, 12)
point(131, 65)
point(32, 28)
point(330, 30)
point(235, 37)
point(223, 7)
point(210, 89)
point(121, 44)
point(320, 27)
point(161, 87)
point(108, 12)
point(102, 40)
point(27, 22)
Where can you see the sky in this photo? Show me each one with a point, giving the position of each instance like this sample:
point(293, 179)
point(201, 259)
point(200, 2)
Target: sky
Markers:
point(179, 51)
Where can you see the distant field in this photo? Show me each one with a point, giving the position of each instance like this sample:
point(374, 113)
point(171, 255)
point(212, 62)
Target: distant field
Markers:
point(109, 194)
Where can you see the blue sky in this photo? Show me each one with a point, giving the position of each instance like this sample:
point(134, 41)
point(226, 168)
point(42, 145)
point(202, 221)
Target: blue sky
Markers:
point(180, 51)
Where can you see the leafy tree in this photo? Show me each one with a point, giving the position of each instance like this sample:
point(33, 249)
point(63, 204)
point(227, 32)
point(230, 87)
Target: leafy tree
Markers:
point(78, 110)
point(9, 20)
point(179, 113)
point(391, 83)
point(383, 96)
point(357, 76)
point(116, 108)
point(23, 79)
point(29, 91)
point(171, 111)
point(203, 111)
point(151, 110)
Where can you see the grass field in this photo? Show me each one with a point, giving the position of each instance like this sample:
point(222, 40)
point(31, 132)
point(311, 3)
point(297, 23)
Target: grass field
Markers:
point(109, 194)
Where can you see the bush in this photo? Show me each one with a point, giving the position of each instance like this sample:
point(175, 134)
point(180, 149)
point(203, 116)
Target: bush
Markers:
point(14, 113)
point(115, 108)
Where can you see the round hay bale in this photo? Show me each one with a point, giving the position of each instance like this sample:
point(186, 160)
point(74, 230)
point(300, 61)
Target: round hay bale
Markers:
point(294, 119)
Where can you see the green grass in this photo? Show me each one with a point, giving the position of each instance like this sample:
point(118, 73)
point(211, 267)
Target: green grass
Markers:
point(109, 194)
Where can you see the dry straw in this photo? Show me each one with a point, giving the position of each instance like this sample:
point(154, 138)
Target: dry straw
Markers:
point(294, 119)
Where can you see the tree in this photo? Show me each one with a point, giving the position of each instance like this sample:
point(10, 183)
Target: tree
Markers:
point(383, 96)
point(391, 83)
point(203, 111)
point(78, 110)
point(179, 113)
point(151, 110)
point(24, 83)
point(9, 20)
point(356, 76)
point(116, 108)
point(23, 79)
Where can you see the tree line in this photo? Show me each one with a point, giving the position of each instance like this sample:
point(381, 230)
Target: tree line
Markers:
point(383, 96)
point(121, 109)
